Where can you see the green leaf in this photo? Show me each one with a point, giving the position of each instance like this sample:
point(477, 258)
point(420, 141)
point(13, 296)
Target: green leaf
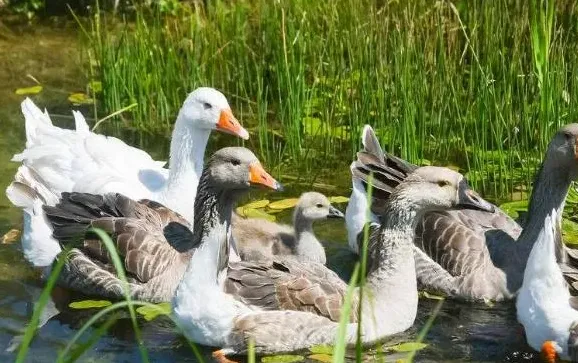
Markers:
point(284, 203)
point(327, 358)
point(514, 208)
point(321, 349)
point(338, 199)
point(285, 358)
point(80, 99)
point(407, 347)
point(569, 232)
point(257, 204)
point(257, 213)
point(150, 312)
point(28, 90)
point(95, 86)
point(427, 295)
point(89, 304)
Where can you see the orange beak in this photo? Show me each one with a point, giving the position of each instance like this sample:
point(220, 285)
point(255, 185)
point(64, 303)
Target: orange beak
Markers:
point(229, 124)
point(258, 176)
point(548, 352)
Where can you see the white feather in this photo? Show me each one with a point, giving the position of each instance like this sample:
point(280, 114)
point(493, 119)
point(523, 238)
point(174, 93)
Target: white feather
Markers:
point(542, 304)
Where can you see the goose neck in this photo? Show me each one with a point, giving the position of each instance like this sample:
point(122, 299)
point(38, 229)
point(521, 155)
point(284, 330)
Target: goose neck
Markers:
point(392, 268)
point(550, 189)
point(188, 146)
point(301, 224)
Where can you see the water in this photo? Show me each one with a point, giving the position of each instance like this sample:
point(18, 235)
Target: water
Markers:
point(49, 53)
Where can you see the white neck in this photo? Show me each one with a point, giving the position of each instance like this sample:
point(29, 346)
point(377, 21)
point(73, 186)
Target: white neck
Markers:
point(185, 166)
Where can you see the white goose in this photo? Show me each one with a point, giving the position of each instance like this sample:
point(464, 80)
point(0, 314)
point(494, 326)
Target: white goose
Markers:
point(57, 160)
point(544, 305)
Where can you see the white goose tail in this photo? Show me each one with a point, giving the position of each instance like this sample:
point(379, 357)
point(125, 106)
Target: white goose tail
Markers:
point(29, 192)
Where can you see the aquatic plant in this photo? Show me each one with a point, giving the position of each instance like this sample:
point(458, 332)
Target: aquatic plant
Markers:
point(478, 86)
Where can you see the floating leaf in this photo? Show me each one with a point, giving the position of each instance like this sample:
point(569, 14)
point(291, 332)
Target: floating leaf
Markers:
point(95, 86)
point(80, 99)
point(89, 304)
point(257, 204)
point(321, 349)
point(408, 347)
point(569, 232)
point(11, 236)
point(338, 199)
point(327, 358)
point(427, 295)
point(284, 203)
point(257, 213)
point(513, 209)
point(151, 312)
point(29, 90)
point(287, 358)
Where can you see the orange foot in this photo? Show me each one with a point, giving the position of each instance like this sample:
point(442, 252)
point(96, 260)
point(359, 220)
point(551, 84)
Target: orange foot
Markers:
point(548, 352)
point(221, 357)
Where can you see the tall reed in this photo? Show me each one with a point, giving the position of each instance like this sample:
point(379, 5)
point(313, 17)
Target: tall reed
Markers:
point(477, 85)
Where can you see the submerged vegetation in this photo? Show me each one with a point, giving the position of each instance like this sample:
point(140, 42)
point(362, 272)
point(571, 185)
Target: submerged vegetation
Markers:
point(477, 86)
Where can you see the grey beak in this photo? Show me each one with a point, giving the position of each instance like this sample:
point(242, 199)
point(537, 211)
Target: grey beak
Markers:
point(470, 199)
point(334, 213)
point(279, 187)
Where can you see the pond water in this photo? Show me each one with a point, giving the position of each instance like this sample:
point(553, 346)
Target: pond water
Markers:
point(50, 53)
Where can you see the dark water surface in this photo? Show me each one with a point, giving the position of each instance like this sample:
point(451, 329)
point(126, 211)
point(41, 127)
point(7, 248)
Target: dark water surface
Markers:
point(50, 53)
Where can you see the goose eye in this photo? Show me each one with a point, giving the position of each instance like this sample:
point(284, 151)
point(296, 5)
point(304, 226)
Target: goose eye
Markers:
point(443, 183)
point(319, 205)
point(236, 162)
point(207, 105)
point(568, 136)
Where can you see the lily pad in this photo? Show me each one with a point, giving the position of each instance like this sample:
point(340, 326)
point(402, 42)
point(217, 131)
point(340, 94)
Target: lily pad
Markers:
point(569, 232)
point(151, 312)
point(29, 90)
point(338, 199)
point(285, 358)
point(89, 304)
point(408, 347)
point(257, 204)
point(11, 236)
point(80, 99)
point(327, 358)
point(513, 209)
point(427, 295)
point(257, 213)
point(284, 203)
point(321, 349)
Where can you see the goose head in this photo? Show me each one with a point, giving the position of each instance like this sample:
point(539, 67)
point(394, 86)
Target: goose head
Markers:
point(206, 108)
point(315, 206)
point(436, 187)
point(563, 150)
point(237, 168)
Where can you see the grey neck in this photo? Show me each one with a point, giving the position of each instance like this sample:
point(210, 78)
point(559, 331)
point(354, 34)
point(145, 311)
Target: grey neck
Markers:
point(307, 246)
point(390, 294)
point(213, 210)
point(550, 190)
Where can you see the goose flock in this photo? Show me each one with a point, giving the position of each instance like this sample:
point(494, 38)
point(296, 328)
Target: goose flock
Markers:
point(234, 280)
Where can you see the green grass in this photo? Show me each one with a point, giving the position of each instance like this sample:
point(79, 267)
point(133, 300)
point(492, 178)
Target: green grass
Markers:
point(467, 83)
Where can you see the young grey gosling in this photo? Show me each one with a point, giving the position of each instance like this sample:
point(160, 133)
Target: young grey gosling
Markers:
point(389, 301)
point(261, 239)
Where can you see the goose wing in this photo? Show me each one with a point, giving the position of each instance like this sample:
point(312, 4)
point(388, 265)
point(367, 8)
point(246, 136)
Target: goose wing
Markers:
point(149, 237)
point(83, 161)
point(287, 284)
